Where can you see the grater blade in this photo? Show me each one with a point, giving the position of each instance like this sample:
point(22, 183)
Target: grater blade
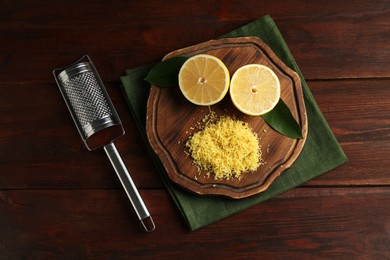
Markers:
point(88, 102)
point(98, 123)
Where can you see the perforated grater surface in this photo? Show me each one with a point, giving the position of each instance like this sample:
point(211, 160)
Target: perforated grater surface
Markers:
point(98, 122)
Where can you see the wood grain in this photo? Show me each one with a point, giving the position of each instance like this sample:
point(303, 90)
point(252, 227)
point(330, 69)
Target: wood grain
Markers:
point(58, 201)
point(328, 42)
point(362, 137)
point(101, 224)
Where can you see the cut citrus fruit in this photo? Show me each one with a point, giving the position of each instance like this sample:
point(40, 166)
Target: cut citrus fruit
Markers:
point(204, 79)
point(255, 89)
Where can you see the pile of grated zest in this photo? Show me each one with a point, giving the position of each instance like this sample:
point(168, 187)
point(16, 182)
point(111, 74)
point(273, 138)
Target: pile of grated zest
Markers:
point(226, 148)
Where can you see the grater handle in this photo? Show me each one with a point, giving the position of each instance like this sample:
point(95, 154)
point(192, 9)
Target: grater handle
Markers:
point(129, 186)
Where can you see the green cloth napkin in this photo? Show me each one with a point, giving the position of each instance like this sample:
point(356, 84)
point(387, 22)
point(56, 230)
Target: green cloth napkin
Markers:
point(320, 154)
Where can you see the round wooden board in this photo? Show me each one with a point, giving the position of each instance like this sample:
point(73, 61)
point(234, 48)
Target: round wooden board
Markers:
point(171, 119)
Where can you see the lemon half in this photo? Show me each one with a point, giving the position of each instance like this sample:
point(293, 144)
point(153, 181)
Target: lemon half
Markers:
point(204, 79)
point(255, 89)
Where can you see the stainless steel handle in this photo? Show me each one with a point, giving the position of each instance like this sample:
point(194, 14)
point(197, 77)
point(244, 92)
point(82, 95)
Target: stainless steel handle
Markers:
point(129, 186)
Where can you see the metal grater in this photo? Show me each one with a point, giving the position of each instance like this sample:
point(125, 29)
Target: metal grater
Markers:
point(87, 99)
point(98, 122)
point(89, 103)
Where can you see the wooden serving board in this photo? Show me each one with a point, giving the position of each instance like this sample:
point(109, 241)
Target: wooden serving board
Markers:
point(171, 119)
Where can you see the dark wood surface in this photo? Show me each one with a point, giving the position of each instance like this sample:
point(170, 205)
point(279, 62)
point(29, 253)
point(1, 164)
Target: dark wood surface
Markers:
point(59, 201)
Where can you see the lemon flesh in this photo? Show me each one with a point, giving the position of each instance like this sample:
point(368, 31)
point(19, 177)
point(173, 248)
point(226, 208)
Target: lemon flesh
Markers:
point(254, 89)
point(204, 79)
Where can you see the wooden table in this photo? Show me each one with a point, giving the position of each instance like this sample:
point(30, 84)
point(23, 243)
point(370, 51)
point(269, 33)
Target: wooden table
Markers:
point(59, 201)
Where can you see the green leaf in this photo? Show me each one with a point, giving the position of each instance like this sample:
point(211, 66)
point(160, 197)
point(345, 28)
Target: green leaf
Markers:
point(165, 74)
point(282, 121)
